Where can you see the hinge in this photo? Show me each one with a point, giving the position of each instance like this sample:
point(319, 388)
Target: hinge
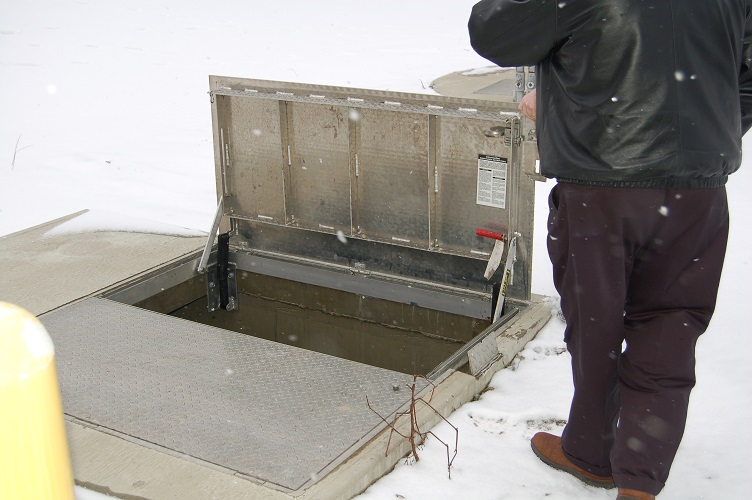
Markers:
point(221, 279)
point(516, 133)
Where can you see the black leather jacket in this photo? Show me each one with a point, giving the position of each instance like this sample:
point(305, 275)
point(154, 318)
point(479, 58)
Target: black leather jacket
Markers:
point(632, 93)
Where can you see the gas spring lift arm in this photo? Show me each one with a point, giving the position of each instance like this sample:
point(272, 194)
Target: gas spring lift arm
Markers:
point(210, 239)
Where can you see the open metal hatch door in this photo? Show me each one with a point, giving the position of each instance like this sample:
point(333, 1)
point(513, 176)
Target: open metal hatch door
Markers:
point(383, 185)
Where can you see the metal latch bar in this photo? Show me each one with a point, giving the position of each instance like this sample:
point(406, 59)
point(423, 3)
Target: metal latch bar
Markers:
point(508, 277)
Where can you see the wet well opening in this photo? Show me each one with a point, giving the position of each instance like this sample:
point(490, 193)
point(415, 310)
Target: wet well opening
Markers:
point(403, 337)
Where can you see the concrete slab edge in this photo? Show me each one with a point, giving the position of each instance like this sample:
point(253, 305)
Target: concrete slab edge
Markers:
point(47, 224)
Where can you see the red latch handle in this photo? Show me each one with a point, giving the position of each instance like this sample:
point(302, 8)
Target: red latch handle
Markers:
point(489, 234)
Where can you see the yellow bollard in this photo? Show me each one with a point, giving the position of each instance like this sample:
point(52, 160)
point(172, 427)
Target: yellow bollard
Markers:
point(34, 458)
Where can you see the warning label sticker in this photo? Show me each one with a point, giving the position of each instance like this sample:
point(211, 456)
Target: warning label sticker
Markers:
point(492, 181)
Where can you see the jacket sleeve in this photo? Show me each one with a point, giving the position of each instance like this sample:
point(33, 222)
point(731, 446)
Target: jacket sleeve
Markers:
point(745, 77)
point(513, 32)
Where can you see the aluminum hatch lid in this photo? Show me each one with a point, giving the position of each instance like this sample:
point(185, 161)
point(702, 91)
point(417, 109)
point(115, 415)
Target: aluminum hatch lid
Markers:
point(273, 412)
point(379, 181)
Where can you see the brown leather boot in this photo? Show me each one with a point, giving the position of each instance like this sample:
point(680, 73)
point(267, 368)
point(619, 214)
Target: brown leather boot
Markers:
point(627, 494)
point(548, 448)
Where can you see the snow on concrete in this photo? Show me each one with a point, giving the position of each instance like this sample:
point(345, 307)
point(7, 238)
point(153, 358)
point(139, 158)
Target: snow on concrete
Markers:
point(104, 220)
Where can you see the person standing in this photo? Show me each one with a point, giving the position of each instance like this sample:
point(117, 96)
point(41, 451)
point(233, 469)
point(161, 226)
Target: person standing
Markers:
point(641, 106)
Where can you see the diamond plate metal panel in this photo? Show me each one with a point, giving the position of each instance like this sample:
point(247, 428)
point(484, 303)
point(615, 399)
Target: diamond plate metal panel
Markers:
point(275, 412)
point(253, 159)
point(320, 167)
point(393, 177)
point(482, 354)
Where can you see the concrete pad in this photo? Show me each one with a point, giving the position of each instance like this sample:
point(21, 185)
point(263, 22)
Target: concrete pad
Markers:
point(41, 273)
point(135, 471)
point(490, 84)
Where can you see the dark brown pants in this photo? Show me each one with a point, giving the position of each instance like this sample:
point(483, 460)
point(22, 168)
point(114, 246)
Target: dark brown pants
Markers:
point(641, 266)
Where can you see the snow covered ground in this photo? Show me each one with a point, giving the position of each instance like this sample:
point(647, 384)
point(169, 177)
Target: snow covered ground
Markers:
point(104, 106)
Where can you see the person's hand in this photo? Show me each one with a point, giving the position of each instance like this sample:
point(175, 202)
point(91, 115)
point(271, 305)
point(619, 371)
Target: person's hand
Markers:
point(527, 106)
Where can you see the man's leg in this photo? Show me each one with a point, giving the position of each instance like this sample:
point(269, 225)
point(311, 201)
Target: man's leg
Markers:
point(589, 242)
point(670, 301)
